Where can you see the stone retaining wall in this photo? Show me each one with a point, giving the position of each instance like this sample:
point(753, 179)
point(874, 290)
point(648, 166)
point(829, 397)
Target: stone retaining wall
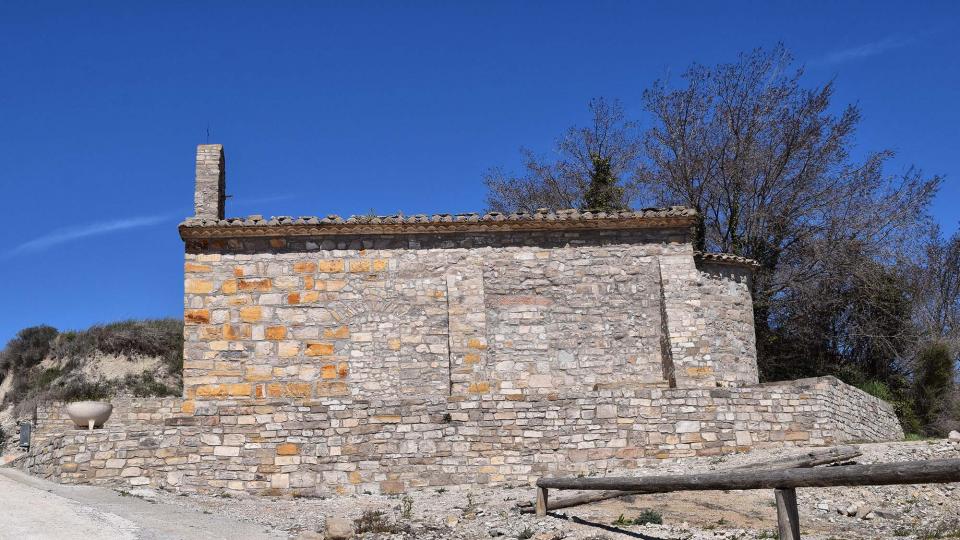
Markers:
point(338, 445)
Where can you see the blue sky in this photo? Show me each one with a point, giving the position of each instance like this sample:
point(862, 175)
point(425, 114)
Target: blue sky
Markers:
point(352, 106)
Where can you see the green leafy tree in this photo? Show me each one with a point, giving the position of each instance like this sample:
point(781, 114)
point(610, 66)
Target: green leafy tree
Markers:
point(933, 384)
point(605, 192)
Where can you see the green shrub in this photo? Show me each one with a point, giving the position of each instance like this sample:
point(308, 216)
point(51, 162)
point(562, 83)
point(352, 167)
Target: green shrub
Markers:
point(406, 507)
point(151, 337)
point(146, 385)
point(46, 378)
point(932, 384)
point(375, 521)
point(649, 516)
point(878, 389)
point(27, 349)
point(81, 390)
point(20, 360)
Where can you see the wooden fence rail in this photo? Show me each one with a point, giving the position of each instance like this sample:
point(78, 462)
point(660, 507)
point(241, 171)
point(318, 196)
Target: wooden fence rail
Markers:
point(783, 481)
point(810, 458)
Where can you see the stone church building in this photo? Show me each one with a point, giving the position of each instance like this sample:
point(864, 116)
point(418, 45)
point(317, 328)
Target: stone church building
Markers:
point(504, 306)
point(383, 353)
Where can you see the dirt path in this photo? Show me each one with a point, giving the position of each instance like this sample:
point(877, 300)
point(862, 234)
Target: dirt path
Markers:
point(31, 508)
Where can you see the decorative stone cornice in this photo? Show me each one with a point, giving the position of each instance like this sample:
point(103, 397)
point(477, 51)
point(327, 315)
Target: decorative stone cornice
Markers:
point(542, 220)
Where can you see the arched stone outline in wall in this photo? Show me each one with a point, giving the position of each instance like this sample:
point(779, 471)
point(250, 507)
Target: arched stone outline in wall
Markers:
point(396, 341)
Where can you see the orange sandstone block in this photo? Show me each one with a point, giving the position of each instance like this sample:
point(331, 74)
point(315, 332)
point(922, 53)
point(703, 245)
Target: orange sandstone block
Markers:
point(262, 285)
point(293, 298)
point(238, 390)
point(196, 316)
point(305, 267)
point(328, 371)
point(475, 343)
point(330, 266)
point(232, 332)
point(309, 297)
point(188, 406)
point(229, 286)
point(471, 358)
point(250, 314)
point(210, 390)
point(360, 265)
point(343, 370)
point(288, 449)
point(341, 332)
point(330, 389)
point(276, 332)
point(238, 271)
point(278, 243)
point(197, 286)
point(332, 285)
point(393, 344)
point(301, 390)
point(258, 373)
point(479, 387)
point(319, 349)
point(308, 282)
point(190, 267)
point(380, 265)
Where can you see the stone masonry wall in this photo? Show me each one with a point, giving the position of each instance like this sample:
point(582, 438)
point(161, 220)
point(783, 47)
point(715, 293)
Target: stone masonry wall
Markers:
point(340, 445)
point(725, 321)
point(420, 315)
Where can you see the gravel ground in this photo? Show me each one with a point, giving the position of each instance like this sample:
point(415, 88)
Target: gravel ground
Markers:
point(915, 511)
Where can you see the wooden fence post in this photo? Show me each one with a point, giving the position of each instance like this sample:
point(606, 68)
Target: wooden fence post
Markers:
point(541, 501)
point(788, 517)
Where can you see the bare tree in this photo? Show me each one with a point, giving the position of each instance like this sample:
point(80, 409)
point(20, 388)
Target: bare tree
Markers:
point(603, 155)
point(936, 290)
point(767, 165)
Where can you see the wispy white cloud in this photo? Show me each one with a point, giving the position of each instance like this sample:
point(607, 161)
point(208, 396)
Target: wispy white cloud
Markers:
point(61, 236)
point(863, 51)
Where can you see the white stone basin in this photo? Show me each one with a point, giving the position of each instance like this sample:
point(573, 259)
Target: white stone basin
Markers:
point(89, 414)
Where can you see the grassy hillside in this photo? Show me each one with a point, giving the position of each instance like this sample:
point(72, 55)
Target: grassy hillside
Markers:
point(138, 358)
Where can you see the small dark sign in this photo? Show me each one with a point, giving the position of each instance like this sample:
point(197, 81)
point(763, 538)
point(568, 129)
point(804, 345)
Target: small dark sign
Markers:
point(25, 428)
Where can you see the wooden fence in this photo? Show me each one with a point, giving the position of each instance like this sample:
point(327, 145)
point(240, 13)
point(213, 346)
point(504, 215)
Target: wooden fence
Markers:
point(783, 481)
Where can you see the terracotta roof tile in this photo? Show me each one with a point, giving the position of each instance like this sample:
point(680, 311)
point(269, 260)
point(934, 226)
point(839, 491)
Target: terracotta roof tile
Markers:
point(726, 258)
point(540, 215)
